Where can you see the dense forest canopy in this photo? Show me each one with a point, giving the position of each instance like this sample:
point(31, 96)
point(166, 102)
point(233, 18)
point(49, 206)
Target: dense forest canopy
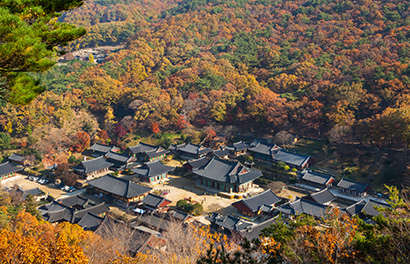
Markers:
point(309, 67)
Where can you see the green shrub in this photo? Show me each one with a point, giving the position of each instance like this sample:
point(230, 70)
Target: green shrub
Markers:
point(249, 158)
point(197, 209)
point(73, 159)
point(190, 208)
point(181, 203)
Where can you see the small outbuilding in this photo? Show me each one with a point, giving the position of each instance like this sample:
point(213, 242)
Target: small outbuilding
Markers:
point(190, 151)
point(317, 179)
point(263, 202)
point(156, 203)
point(146, 152)
point(353, 187)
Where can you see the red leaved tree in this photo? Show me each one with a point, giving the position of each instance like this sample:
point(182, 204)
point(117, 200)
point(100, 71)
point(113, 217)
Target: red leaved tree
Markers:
point(155, 127)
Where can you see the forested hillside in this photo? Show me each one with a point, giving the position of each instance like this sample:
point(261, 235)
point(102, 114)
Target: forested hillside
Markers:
point(111, 22)
point(311, 67)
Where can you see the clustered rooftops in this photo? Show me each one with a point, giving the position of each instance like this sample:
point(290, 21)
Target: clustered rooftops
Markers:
point(227, 171)
point(154, 168)
point(190, 148)
point(147, 149)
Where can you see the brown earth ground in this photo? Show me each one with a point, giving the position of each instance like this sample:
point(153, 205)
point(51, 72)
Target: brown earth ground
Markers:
point(26, 184)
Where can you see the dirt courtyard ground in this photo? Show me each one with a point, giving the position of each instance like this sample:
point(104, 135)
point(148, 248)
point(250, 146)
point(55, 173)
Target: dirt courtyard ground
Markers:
point(26, 184)
point(178, 188)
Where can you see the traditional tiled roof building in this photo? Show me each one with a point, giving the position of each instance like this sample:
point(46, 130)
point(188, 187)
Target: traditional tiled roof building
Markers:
point(8, 171)
point(230, 225)
point(101, 149)
point(317, 179)
point(324, 197)
point(302, 206)
point(238, 148)
point(353, 187)
point(153, 171)
point(120, 161)
point(146, 152)
point(228, 176)
point(18, 159)
point(263, 202)
point(270, 152)
point(119, 190)
point(93, 168)
point(156, 203)
point(190, 151)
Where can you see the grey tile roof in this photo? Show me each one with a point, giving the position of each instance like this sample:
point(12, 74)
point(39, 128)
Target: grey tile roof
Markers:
point(221, 152)
point(323, 196)
point(191, 149)
point(237, 146)
point(149, 150)
point(175, 147)
point(151, 169)
point(96, 209)
point(90, 222)
point(180, 215)
point(35, 192)
point(291, 158)
point(92, 165)
point(227, 171)
point(142, 147)
point(56, 211)
point(263, 148)
point(118, 186)
point(366, 207)
point(139, 240)
point(370, 207)
point(160, 151)
point(254, 231)
point(56, 216)
point(154, 201)
point(197, 163)
point(254, 203)
point(117, 157)
point(154, 221)
point(6, 168)
point(316, 177)
point(229, 222)
point(302, 206)
point(102, 148)
point(16, 157)
point(74, 200)
point(356, 208)
point(352, 185)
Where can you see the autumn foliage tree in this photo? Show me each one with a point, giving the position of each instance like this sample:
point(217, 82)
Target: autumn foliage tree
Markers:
point(63, 173)
point(81, 141)
point(28, 240)
point(155, 128)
